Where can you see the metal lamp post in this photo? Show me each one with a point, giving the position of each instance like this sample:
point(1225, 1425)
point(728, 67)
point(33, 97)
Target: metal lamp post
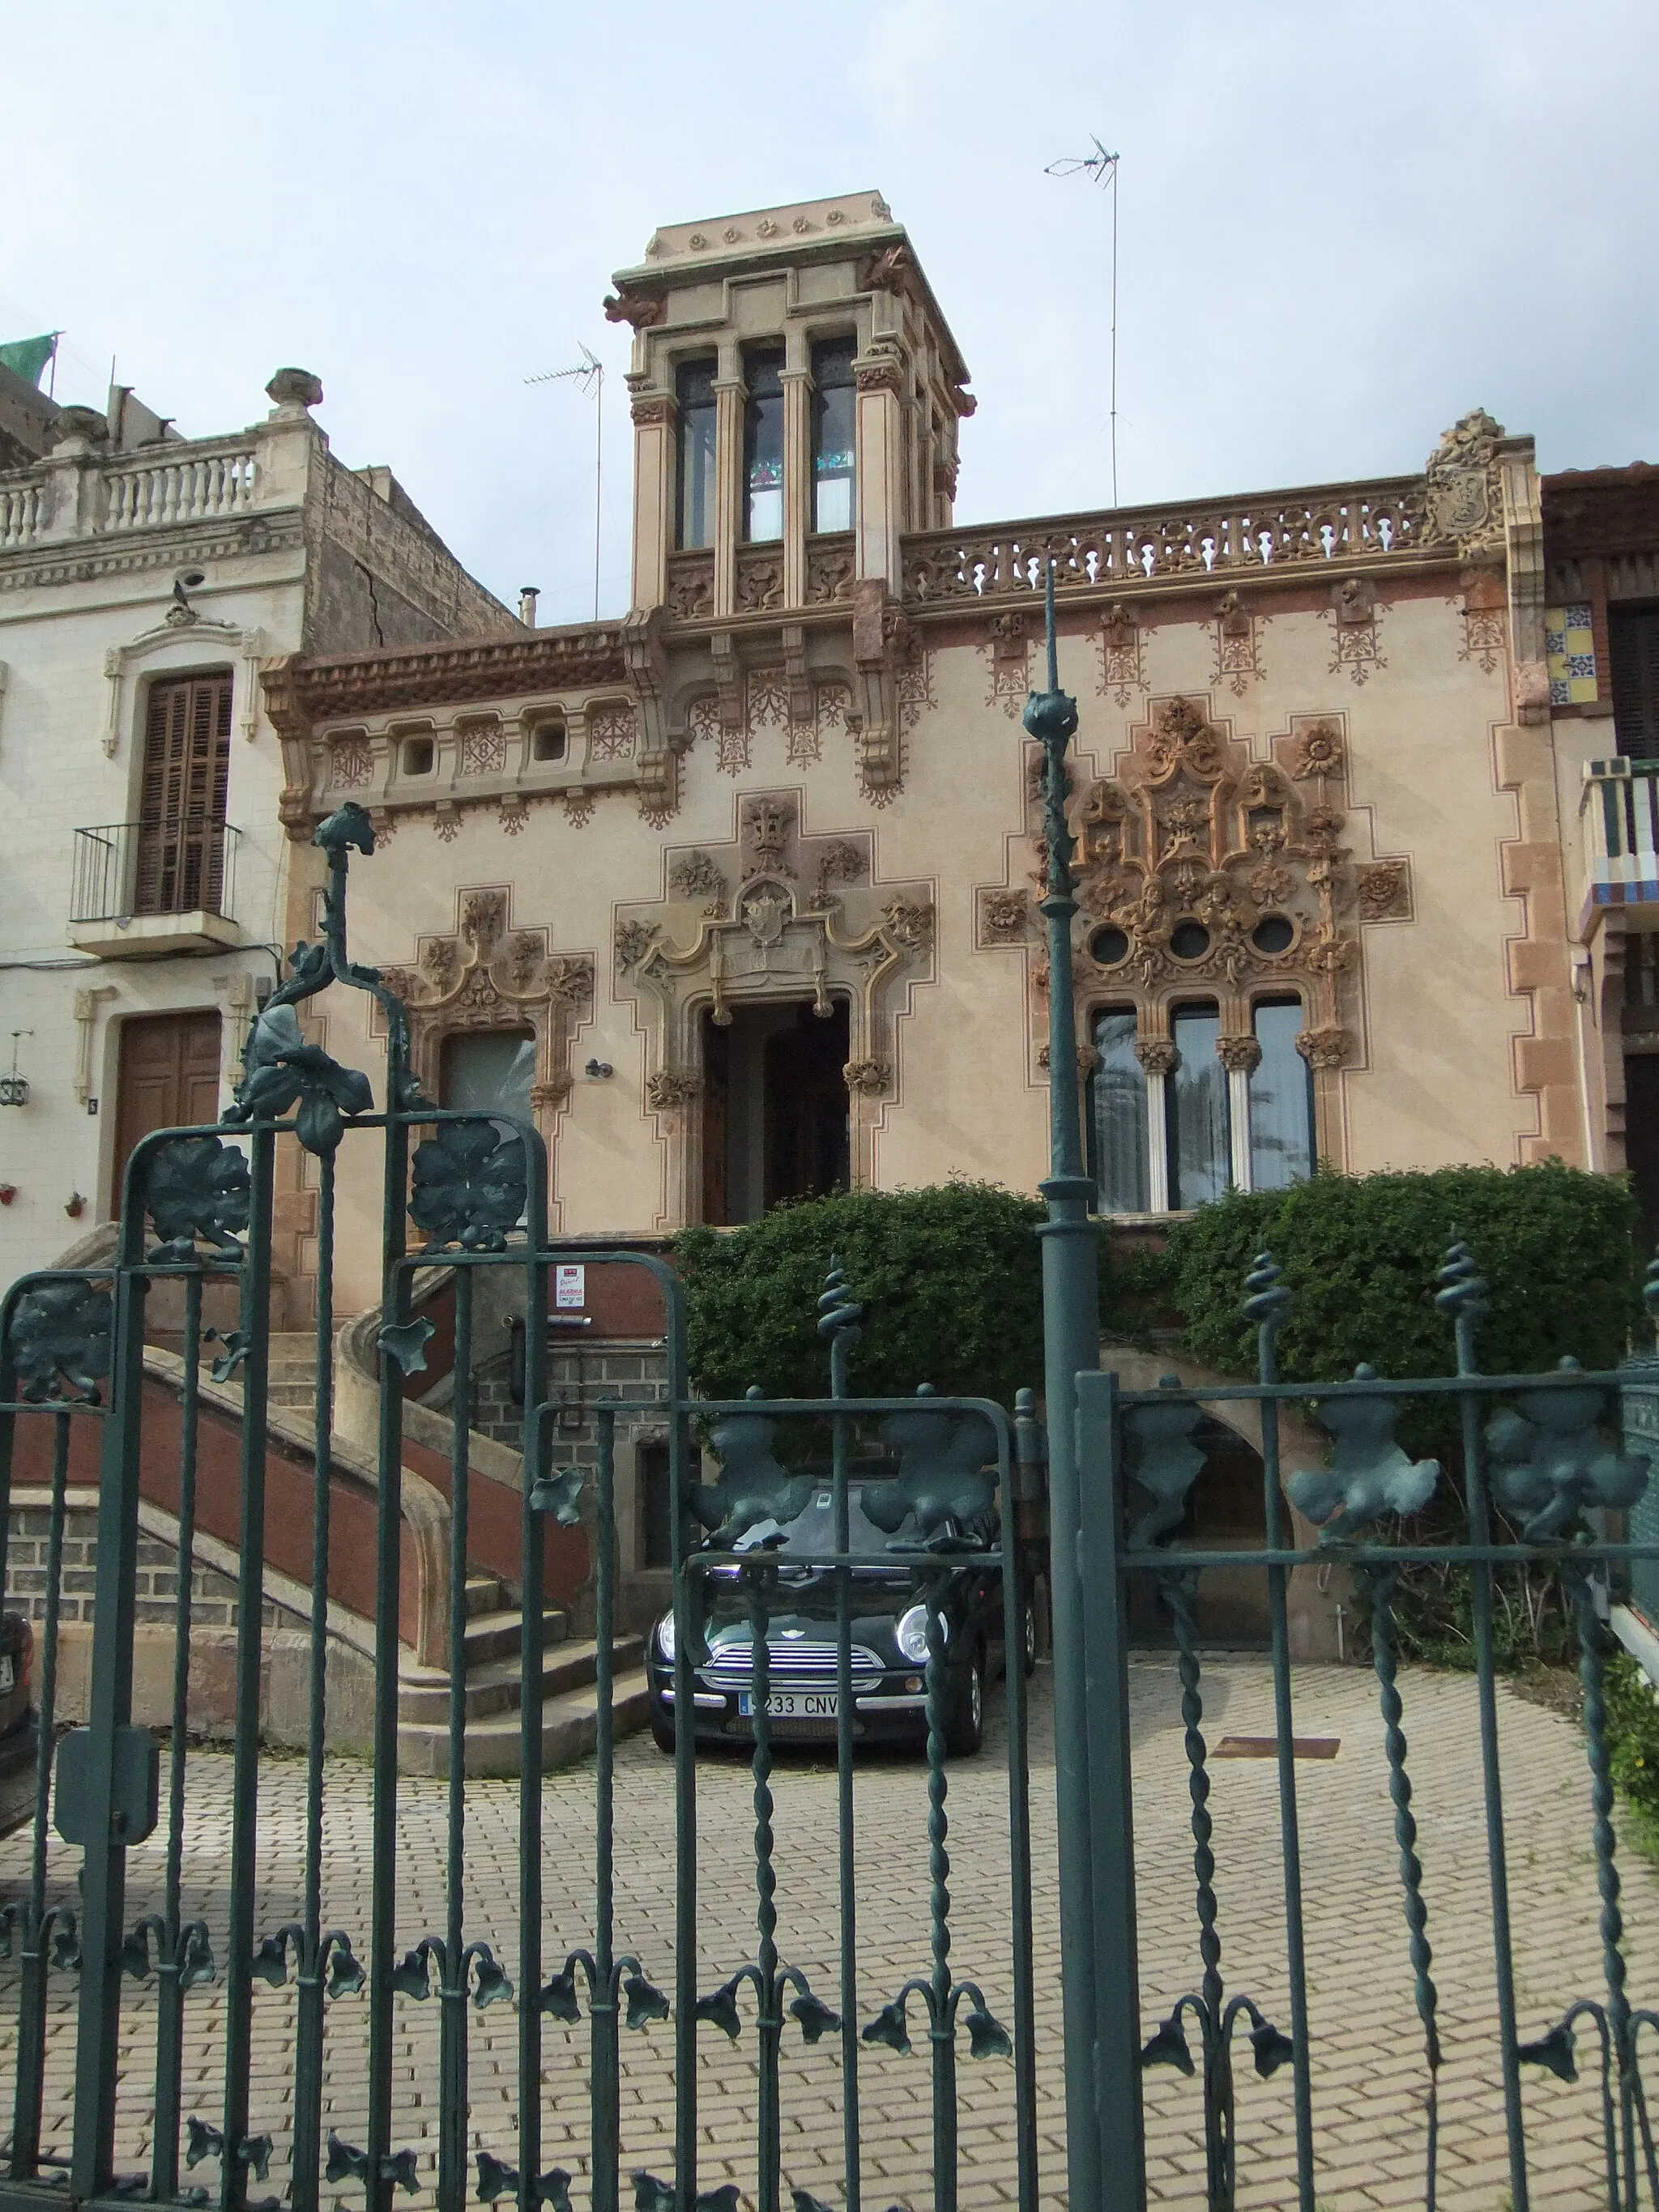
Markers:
point(1096, 1858)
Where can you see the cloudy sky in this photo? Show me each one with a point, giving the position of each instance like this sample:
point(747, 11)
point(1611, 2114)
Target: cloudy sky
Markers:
point(1341, 226)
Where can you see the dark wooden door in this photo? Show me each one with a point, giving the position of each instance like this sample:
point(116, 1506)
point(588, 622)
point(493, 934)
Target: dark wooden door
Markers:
point(183, 795)
point(807, 1148)
point(716, 1065)
point(1642, 1137)
point(169, 1077)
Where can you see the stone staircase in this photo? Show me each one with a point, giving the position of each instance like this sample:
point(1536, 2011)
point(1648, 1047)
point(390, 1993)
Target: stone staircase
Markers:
point(493, 1694)
point(494, 1647)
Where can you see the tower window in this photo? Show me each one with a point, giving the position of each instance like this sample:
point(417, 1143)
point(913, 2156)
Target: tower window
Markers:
point(762, 446)
point(833, 402)
point(694, 391)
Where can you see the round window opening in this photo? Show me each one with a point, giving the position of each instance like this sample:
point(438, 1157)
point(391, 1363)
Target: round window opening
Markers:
point(1190, 940)
point(1108, 946)
point(1273, 933)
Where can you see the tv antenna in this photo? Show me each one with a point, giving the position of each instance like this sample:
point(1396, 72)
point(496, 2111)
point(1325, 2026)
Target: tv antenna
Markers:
point(588, 375)
point(1101, 169)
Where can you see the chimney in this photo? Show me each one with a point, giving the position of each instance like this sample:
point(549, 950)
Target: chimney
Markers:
point(528, 595)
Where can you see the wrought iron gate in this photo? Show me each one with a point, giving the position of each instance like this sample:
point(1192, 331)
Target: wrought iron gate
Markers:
point(125, 1980)
point(1540, 1469)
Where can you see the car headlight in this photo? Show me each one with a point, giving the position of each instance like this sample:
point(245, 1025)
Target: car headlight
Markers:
point(911, 1634)
point(665, 1639)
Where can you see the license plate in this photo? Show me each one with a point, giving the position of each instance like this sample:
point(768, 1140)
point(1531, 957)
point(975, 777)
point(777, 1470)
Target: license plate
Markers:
point(792, 1704)
point(7, 1673)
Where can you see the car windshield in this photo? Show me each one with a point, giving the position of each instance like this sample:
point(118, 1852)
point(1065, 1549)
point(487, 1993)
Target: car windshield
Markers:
point(813, 1530)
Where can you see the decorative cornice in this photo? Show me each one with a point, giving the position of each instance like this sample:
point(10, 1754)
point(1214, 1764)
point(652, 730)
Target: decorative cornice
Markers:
point(414, 676)
point(75, 562)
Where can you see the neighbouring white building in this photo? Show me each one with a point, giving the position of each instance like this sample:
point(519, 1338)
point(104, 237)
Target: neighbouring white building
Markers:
point(143, 864)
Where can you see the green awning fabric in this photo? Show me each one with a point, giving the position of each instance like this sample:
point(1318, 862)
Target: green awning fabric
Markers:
point(27, 357)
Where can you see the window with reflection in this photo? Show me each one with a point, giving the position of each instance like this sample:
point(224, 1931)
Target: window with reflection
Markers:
point(1117, 1115)
point(833, 432)
point(1196, 1130)
point(763, 445)
point(1281, 1099)
point(488, 1072)
point(694, 392)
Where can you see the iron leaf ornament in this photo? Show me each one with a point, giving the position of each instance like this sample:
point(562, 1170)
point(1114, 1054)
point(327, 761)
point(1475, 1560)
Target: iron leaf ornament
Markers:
point(1368, 1474)
point(1161, 1458)
point(470, 1186)
point(197, 1191)
point(59, 1341)
point(1549, 1464)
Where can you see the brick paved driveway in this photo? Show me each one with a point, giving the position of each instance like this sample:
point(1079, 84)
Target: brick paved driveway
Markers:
point(1368, 2068)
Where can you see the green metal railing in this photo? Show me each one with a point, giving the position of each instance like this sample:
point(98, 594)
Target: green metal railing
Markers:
point(198, 1213)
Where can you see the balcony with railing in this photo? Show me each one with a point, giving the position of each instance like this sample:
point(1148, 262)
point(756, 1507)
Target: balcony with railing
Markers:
point(144, 888)
point(1619, 813)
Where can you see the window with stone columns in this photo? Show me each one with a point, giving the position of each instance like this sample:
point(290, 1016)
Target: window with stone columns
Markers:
point(1222, 888)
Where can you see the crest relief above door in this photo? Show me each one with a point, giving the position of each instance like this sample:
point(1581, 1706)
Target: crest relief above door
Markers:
point(775, 916)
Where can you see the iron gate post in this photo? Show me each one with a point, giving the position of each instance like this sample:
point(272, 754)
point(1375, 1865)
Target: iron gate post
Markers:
point(1071, 1323)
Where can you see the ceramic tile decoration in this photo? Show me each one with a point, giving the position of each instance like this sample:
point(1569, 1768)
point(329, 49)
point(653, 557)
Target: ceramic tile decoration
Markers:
point(1571, 650)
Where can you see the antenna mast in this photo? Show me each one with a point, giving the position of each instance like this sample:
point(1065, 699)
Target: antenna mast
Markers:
point(1102, 168)
point(589, 375)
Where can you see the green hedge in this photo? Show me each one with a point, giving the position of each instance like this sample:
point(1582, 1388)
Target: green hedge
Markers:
point(950, 1279)
point(1557, 1248)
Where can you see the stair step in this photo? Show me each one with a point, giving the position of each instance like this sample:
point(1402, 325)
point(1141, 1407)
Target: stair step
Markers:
point(569, 1727)
point(485, 1593)
point(497, 1635)
point(495, 1687)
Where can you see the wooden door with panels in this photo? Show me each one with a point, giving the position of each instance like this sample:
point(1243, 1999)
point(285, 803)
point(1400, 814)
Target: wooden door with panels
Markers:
point(168, 1080)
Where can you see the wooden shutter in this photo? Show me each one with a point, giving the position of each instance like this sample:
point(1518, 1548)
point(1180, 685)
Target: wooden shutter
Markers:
point(1633, 649)
point(183, 794)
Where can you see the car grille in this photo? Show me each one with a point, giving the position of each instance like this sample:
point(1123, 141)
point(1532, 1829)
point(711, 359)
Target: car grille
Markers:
point(793, 1665)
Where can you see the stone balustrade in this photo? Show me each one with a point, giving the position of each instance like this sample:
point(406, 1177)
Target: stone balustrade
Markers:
point(151, 495)
point(1279, 531)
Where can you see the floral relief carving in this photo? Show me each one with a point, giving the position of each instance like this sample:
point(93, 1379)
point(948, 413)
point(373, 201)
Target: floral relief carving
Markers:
point(1004, 917)
point(768, 829)
point(691, 587)
point(634, 940)
point(670, 1088)
point(759, 582)
point(1324, 1047)
point(1384, 890)
point(696, 877)
point(911, 921)
point(843, 862)
point(1158, 1055)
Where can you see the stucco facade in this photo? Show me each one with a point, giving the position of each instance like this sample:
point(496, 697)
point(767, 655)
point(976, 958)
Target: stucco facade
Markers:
point(125, 568)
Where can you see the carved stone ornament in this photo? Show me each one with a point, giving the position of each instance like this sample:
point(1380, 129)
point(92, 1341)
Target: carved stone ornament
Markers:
point(1239, 1055)
point(696, 877)
point(491, 974)
point(802, 920)
point(868, 1079)
point(641, 310)
point(1462, 490)
point(1355, 614)
point(1004, 917)
point(1123, 652)
point(670, 1088)
point(1324, 1047)
point(1202, 869)
point(1237, 640)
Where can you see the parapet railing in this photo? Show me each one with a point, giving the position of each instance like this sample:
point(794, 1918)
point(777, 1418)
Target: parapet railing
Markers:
point(1619, 811)
point(1386, 519)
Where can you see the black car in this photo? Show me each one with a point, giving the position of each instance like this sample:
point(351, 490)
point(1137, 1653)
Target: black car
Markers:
point(18, 1734)
point(909, 1525)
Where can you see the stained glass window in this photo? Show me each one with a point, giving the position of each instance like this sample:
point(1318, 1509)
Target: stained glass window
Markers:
point(762, 446)
point(833, 404)
point(693, 389)
point(1281, 1100)
point(1196, 1110)
point(1117, 1115)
